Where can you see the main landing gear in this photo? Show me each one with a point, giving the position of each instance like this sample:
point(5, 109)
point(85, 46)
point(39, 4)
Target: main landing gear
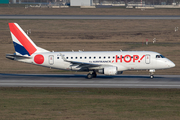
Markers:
point(151, 73)
point(91, 75)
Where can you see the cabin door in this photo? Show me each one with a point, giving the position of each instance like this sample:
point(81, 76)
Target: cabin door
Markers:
point(148, 58)
point(51, 59)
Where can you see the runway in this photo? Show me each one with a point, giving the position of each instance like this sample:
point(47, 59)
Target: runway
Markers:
point(88, 17)
point(102, 81)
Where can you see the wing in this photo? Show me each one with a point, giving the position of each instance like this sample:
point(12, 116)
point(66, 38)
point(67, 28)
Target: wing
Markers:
point(81, 64)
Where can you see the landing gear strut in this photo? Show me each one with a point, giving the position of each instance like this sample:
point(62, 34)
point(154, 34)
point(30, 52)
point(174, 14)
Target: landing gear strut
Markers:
point(151, 73)
point(91, 75)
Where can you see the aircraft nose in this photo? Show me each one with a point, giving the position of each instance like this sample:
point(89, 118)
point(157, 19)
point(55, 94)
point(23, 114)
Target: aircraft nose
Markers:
point(171, 64)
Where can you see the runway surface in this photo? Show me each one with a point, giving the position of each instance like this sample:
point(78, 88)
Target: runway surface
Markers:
point(89, 17)
point(102, 81)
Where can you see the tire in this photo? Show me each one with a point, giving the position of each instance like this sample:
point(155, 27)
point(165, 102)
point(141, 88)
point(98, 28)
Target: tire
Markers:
point(89, 76)
point(152, 76)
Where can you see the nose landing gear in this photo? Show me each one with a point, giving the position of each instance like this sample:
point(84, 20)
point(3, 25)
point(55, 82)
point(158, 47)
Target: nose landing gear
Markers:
point(151, 76)
point(151, 73)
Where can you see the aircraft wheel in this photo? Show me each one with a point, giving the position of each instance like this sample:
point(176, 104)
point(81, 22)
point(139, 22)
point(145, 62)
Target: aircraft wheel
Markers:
point(89, 76)
point(152, 76)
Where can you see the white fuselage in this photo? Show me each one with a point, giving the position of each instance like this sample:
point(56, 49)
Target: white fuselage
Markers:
point(123, 60)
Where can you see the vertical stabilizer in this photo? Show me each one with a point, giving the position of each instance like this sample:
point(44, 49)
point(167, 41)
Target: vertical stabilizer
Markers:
point(22, 43)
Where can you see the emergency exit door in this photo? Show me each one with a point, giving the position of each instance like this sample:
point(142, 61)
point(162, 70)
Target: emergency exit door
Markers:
point(51, 59)
point(147, 59)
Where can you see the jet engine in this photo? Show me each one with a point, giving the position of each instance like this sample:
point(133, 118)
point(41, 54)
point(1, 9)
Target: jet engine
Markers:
point(108, 70)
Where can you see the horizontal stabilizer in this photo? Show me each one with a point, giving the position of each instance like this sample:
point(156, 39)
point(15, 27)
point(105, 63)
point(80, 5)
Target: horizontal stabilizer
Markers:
point(13, 57)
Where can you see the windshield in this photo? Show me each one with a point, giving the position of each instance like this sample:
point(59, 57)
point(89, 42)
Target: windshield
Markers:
point(160, 56)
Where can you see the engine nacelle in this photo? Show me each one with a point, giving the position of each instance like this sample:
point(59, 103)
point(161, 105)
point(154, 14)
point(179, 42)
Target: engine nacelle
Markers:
point(109, 71)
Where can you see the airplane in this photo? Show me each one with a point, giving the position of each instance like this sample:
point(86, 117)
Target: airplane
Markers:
point(103, 62)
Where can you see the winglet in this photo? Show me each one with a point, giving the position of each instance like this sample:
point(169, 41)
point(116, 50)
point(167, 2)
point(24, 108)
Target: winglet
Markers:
point(63, 57)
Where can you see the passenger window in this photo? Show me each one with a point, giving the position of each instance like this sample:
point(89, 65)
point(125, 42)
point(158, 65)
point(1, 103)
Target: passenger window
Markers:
point(84, 57)
point(80, 57)
point(71, 57)
point(113, 57)
point(66, 57)
point(94, 57)
point(76, 57)
point(57, 57)
point(99, 57)
point(89, 57)
point(108, 57)
point(104, 57)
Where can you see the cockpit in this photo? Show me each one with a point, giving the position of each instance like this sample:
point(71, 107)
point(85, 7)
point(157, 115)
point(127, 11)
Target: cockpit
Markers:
point(160, 56)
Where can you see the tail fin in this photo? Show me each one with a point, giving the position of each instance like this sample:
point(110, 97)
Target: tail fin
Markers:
point(22, 43)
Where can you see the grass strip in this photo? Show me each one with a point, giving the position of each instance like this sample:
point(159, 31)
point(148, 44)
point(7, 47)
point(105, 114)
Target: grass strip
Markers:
point(89, 103)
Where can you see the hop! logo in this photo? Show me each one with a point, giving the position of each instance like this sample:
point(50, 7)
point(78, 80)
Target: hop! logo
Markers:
point(128, 58)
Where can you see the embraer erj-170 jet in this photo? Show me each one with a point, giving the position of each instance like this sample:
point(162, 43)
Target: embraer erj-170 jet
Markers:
point(104, 62)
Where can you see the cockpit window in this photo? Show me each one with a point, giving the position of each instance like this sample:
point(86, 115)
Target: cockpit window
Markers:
point(160, 56)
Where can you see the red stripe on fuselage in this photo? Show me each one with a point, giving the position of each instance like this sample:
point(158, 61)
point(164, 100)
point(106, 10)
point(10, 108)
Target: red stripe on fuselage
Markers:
point(22, 38)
